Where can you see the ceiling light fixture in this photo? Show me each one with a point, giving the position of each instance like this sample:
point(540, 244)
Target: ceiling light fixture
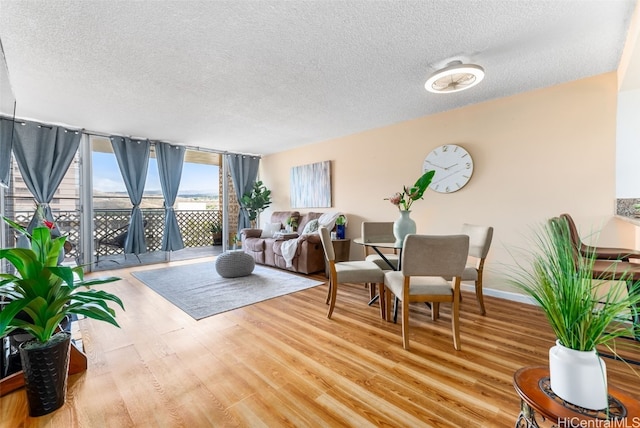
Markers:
point(455, 77)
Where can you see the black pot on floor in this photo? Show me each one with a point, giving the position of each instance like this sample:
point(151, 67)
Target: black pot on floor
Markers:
point(45, 368)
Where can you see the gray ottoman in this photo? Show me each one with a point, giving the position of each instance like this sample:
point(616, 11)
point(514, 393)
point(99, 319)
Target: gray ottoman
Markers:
point(233, 264)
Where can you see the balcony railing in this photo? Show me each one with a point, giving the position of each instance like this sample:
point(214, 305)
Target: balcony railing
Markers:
point(195, 226)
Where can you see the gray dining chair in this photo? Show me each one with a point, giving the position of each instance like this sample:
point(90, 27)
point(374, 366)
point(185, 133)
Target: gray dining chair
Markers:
point(426, 262)
point(479, 243)
point(360, 271)
point(374, 231)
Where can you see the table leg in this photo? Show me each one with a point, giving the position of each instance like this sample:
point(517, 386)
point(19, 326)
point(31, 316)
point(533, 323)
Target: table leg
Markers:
point(527, 417)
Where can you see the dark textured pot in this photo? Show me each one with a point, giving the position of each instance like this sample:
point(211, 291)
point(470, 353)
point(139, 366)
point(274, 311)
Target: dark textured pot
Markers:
point(45, 368)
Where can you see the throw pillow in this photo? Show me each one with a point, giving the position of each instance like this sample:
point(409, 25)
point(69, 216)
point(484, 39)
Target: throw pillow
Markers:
point(269, 229)
point(311, 227)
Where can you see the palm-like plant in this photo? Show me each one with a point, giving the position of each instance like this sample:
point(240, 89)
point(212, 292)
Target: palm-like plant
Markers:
point(580, 313)
point(42, 293)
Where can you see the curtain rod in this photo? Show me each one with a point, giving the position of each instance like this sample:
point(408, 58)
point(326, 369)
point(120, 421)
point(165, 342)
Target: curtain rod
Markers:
point(105, 135)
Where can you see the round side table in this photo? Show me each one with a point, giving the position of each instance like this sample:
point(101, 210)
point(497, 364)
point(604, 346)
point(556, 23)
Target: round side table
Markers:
point(536, 398)
point(235, 263)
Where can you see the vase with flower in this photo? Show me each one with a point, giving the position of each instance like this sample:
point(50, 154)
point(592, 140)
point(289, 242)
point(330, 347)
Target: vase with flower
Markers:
point(405, 225)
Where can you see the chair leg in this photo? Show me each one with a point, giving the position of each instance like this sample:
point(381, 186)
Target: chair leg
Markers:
point(455, 324)
point(405, 324)
point(387, 304)
point(479, 296)
point(328, 292)
point(332, 303)
point(635, 314)
point(383, 301)
point(435, 310)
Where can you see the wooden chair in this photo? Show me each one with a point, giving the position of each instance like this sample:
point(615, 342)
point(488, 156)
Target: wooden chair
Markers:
point(426, 262)
point(479, 242)
point(601, 253)
point(372, 231)
point(608, 268)
point(353, 272)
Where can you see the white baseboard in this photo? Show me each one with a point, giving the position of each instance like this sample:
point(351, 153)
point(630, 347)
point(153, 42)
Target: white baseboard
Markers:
point(501, 294)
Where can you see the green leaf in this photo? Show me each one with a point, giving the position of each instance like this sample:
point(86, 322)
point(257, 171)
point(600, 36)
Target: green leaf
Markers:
point(422, 183)
point(8, 313)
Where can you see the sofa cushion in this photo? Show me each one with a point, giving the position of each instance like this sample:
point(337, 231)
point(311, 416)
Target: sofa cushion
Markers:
point(282, 217)
point(310, 227)
point(306, 218)
point(269, 229)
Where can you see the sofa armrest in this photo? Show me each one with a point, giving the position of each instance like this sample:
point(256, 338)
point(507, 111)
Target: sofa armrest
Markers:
point(251, 233)
point(312, 238)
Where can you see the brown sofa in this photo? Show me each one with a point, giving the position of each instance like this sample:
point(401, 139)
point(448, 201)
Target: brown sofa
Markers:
point(309, 255)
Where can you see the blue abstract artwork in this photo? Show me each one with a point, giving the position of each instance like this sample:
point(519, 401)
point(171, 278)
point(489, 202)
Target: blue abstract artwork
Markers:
point(311, 185)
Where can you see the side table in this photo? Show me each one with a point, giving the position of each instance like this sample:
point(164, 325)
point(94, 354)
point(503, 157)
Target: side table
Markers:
point(341, 248)
point(536, 398)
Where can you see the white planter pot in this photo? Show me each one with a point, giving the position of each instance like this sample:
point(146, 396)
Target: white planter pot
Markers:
point(578, 377)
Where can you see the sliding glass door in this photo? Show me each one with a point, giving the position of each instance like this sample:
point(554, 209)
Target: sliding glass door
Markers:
point(197, 208)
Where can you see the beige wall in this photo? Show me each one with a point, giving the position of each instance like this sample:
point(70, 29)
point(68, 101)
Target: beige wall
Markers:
point(536, 155)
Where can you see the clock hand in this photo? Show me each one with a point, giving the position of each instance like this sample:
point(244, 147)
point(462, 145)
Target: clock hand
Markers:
point(450, 166)
point(437, 166)
point(449, 175)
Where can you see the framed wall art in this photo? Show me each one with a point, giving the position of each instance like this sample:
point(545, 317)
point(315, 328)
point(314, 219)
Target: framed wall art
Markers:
point(311, 185)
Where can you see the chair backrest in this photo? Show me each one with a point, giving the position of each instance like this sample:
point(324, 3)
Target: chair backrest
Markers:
point(326, 243)
point(434, 255)
point(375, 231)
point(479, 239)
point(573, 230)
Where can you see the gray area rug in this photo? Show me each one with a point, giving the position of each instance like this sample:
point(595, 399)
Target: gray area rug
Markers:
point(198, 290)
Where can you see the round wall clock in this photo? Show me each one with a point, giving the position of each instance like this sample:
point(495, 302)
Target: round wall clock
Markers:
point(453, 166)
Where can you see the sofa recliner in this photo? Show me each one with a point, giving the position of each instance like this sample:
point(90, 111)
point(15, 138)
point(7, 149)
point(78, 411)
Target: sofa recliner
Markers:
point(309, 255)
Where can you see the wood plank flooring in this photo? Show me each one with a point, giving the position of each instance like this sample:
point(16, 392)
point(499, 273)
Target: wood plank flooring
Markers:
point(282, 363)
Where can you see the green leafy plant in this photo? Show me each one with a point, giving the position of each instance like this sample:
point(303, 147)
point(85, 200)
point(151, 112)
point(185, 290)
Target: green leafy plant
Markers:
point(216, 228)
point(293, 222)
point(42, 293)
point(341, 220)
point(256, 201)
point(403, 200)
point(580, 313)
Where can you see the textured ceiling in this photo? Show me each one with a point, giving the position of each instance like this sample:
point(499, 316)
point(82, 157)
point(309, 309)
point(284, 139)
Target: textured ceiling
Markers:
point(266, 76)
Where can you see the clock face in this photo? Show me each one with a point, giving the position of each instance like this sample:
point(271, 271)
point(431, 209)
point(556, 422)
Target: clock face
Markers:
point(453, 166)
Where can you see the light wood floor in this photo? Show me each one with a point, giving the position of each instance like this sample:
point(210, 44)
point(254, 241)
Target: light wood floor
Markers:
point(283, 363)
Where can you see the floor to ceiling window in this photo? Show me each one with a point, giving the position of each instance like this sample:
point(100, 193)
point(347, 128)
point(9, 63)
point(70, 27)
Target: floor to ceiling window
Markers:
point(197, 207)
point(20, 206)
point(94, 220)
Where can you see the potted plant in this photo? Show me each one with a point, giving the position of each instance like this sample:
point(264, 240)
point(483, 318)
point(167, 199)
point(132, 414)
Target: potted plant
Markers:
point(216, 232)
point(581, 314)
point(256, 201)
point(341, 223)
point(292, 224)
point(39, 297)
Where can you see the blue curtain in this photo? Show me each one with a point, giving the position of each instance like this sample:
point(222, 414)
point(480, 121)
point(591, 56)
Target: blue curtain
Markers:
point(170, 160)
point(43, 154)
point(244, 171)
point(6, 142)
point(133, 160)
